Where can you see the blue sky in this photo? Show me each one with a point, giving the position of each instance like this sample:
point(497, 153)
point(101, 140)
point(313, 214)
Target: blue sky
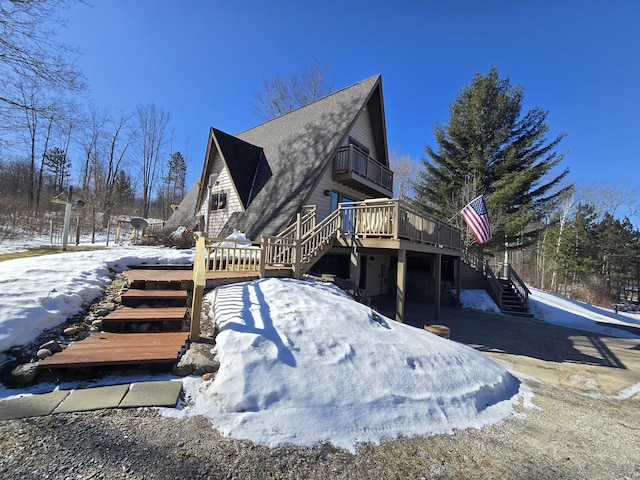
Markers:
point(204, 61)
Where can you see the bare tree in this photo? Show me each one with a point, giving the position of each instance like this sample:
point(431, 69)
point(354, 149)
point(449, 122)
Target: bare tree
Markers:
point(30, 53)
point(282, 95)
point(152, 126)
point(611, 199)
point(121, 139)
point(90, 137)
point(404, 174)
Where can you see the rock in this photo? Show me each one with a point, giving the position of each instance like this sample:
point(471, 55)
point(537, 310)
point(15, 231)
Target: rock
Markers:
point(96, 324)
point(44, 353)
point(25, 373)
point(102, 312)
point(111, 306)
point(52, 346)
point(68, 332)
point(207, 377)
point(193, 362)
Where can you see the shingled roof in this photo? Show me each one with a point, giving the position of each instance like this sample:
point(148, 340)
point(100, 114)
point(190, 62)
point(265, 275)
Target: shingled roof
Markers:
point(296, 148)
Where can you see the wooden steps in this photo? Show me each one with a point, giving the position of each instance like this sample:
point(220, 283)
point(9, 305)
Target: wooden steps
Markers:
point(135, 297)
point(159, 314)
point(151, 286)
point(105, 349)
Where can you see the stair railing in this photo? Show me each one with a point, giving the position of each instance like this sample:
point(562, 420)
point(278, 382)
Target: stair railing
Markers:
point(518, 284)
point(495, 289)
point(307, 223)
point(320, 236)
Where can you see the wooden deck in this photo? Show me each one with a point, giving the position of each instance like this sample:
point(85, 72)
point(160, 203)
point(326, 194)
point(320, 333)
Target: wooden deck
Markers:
point(103, 349)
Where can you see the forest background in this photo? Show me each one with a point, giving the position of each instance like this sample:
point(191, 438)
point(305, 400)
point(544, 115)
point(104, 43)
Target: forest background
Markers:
point(58, 143)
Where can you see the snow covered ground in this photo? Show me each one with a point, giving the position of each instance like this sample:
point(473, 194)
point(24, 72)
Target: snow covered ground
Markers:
point(300, 361)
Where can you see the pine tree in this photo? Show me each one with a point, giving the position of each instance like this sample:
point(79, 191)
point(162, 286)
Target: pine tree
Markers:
point(489, 147)
point(175, 179)
point(57, 163)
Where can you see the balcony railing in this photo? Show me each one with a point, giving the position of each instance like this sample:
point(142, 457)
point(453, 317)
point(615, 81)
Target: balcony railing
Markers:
point(353, 160)
point(396, 219)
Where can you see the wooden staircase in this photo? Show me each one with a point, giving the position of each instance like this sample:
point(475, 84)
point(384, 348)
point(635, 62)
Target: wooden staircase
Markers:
point(149, 329)
point(156, 301)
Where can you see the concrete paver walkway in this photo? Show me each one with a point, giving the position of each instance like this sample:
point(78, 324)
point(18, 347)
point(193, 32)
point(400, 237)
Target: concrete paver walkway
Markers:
point(134, 395)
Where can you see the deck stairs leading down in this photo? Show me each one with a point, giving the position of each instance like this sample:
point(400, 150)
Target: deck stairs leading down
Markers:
point(508, 291)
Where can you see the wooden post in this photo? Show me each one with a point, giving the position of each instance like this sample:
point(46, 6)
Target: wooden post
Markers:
point(263, 259)
point(77, 230)
point(108, 230)
point(199, 282)
point(400, 284)
point(396, 223)
point(458, 281)
point(437, 286)
point(297, 269)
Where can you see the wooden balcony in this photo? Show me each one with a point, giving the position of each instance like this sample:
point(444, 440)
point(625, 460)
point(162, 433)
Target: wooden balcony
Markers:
point(399, 221)
point(354, 168)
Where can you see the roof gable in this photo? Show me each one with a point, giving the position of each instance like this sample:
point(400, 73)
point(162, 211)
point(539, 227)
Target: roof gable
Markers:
point(276, 165)
point(245, 163)
point(298, 146)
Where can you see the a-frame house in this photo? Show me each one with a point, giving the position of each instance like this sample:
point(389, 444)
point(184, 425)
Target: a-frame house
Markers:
point(323, 170)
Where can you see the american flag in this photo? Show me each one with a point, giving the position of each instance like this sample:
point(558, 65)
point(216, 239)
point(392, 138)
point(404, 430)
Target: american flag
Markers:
point(477, 218)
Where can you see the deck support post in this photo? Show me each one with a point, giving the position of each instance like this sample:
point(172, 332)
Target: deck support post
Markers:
point(400, 284)
point(437, 286)
point(354, 268)
point(458, 281)
point(199, 282)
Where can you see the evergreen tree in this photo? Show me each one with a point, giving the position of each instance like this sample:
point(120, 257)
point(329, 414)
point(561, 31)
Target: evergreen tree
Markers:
point(175, 180)
point(123, 192)
point(490, 148)
point(57, 163)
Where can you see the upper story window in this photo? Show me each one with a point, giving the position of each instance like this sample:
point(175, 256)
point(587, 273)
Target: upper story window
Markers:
point(218, 201)
point(358, 145)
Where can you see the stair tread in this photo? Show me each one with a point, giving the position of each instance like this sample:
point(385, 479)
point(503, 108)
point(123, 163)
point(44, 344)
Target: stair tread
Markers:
point(132, 314)
point(152, 293)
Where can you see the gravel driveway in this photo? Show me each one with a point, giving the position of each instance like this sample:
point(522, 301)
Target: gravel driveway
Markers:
point(583, 426)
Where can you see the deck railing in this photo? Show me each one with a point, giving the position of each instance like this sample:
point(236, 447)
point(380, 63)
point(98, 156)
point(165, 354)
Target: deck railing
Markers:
point(225, 255)
point(385, 218)
point(351, 159)
point(302, 242)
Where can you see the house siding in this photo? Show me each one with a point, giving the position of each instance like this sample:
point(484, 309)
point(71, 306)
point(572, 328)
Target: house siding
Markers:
point(218, 218)
point(363, 134)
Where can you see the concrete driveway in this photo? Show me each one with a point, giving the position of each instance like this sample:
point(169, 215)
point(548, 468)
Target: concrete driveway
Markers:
point(556, 355)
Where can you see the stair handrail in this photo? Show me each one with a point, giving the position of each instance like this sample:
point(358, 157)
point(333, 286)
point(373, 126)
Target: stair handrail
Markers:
point(320, 235)
point(307, 222)
point(521, 288)
point(495, 289)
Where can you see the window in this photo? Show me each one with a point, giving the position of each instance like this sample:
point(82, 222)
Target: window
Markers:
point(218, 201)
point(358, 145)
